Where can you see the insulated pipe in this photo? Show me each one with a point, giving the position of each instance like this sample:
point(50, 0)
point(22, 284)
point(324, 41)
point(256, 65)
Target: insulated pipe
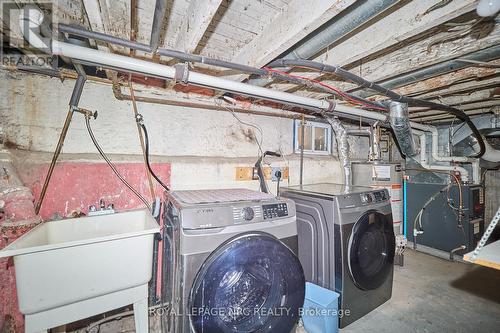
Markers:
point(400, 124)
point(342, 147)
point(358, 14)
point(448, 66)
point(386, 92)
point(159, 15)
point(79, 31)
point(128, 64)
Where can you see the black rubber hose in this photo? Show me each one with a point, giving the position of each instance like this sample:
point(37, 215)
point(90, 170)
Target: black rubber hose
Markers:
point(146, 143)
point(387, 92)
point(111, 165)
point(82, 32)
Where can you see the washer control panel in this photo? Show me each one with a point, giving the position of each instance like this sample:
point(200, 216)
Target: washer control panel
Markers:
point(275, 210)
point(373, 197)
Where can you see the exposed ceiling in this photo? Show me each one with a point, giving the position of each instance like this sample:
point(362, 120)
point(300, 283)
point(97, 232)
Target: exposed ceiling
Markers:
point(408, 46)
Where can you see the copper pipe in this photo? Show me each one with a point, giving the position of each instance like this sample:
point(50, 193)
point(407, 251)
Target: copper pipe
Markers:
point(57, 152)
point(120, 96)
point(75, 98)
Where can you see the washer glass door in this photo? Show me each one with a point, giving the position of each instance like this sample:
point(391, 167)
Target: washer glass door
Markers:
point(252, 283)
point(371, 250)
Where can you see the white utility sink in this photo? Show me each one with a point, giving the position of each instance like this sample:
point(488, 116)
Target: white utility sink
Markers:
point(72, 269)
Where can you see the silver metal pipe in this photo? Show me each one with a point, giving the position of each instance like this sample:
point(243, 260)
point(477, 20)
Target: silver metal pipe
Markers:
point(342, 147)
point(158, 18)
point(444, 67)
point(401, 126)
point(342, 24)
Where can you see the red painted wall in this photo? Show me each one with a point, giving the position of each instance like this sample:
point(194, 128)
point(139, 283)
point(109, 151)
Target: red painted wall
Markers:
point(76, 185)
point(73, 187)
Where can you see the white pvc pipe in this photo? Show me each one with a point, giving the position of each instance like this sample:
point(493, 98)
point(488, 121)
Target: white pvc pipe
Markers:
point(425, 163)
point(435, 145)
point(129, 64)
point(490, 153)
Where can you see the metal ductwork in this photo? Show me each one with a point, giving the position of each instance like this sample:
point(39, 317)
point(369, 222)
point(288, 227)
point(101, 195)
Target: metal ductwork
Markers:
point(401, 126)
point(342, 147)
point(444, 67)
point(358, 14)
point(159, 15)
point(488, 125)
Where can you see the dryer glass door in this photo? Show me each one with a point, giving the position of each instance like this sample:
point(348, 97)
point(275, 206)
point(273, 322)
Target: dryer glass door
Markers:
point(371, 250)
point(252, 283)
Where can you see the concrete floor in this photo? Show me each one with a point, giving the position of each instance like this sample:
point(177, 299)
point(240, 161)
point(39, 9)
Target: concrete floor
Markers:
point(430, 295)
point(435, 295)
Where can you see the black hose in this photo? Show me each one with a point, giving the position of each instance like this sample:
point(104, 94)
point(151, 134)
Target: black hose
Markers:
point(387, 92)
point(82, 32)
point(146, 143)
point(111, 165)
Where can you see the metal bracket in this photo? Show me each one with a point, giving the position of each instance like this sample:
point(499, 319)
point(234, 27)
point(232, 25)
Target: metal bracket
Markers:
point(181, 73)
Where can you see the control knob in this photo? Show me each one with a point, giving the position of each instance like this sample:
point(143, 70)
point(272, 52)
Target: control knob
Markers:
point(247, 213)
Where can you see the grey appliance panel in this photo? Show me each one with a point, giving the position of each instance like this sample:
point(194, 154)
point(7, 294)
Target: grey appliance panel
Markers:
point(439, 221)
point(240, 210)
point(327, 189)
point(315, 230)
point(359, 302)
point(326, 214)
point(362, 174)
point(194, 230)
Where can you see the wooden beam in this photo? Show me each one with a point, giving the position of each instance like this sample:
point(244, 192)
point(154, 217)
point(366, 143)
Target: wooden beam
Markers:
point(418, 55)
point(198, 17)
point(446, 80)
point(377, 39)
point(289, 27)
point(463, 88)
point(396, 29)
point(443, 116)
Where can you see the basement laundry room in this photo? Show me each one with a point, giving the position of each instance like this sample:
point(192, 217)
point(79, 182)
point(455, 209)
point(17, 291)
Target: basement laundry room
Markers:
point(240, 166)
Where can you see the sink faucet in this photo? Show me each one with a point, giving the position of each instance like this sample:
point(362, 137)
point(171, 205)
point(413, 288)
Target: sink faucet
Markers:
point(103, 209)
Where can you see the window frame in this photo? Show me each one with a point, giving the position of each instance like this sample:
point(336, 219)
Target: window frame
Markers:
point(314, 125)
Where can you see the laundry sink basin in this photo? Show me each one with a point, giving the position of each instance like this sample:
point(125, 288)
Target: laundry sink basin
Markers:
point(68, 261)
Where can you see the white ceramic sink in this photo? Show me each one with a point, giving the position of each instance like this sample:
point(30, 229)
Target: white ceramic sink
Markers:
point(69, 261)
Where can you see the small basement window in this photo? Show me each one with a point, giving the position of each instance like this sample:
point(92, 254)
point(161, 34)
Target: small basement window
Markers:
point(317, 138)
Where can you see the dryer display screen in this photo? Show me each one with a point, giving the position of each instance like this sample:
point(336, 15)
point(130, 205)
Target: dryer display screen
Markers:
point(275, 210)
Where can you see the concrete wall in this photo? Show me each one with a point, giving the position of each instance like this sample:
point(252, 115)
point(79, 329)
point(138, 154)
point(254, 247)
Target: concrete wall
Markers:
point(204, 147)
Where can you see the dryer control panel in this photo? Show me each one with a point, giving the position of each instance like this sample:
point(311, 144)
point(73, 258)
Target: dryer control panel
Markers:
point(275, 210)
point(373, 197)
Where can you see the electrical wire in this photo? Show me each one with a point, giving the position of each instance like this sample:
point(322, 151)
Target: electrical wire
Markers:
point(146, 142)
point(111, 165)
point(364, 84)
point(231, 110)
point(338, 91)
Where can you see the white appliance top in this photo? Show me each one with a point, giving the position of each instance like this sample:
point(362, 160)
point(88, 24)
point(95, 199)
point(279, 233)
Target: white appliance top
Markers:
point(219, 195)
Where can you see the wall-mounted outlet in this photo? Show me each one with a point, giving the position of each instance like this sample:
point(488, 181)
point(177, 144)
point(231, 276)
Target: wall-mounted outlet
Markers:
point(250, 173)
point(277, 173)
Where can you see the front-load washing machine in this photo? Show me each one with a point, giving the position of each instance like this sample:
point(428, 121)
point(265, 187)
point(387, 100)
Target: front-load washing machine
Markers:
point(346, 243)
point(230, 263)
